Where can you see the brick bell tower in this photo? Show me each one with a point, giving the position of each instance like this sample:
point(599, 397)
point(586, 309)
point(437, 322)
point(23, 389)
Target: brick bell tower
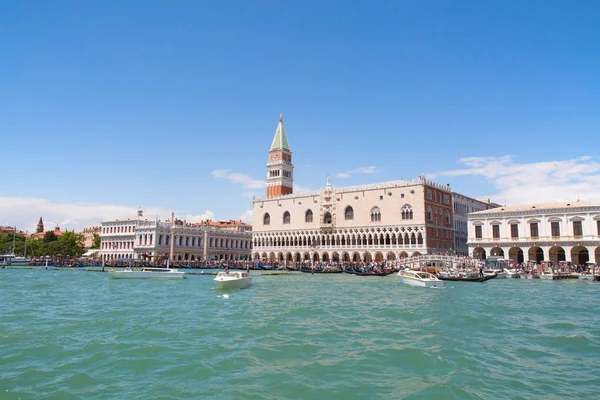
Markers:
point(280, 178)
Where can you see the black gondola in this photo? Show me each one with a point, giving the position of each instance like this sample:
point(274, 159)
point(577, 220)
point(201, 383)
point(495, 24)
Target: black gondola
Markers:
point(467, 279)
point(321, 271)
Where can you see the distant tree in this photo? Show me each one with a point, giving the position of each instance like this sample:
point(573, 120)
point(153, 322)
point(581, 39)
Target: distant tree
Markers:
point(50, 237)
point(96, 242)
point(71, 244)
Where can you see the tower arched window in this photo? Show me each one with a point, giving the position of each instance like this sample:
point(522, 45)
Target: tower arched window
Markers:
point(375, 214)
point(308, 217)
point(349, 213)
point(267, 219)
point(429, 214)
point(286, 217)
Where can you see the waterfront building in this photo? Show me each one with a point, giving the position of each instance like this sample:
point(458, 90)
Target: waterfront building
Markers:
point(381, 221)
point(152, 240)
point(462, 206)
point(561, 231)
point(88, 234)
point(117, 238)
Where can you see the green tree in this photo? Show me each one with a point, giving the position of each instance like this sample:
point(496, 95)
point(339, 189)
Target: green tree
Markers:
point(50, 237)
point(71, 244)
point(96, 242)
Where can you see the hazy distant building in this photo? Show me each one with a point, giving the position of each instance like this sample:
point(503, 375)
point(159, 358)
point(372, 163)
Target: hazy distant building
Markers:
point(463, 205)
point(88, 234)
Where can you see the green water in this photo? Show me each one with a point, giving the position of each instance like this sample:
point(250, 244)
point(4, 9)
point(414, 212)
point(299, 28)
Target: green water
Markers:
point(82, 335)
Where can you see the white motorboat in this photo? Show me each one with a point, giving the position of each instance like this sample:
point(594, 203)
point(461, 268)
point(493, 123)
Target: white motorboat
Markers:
point(547, 274)
point(233, 279)
point(511, 273)
point(147, 273)
point(586, 276)
point(420, 278)
point(500, 274)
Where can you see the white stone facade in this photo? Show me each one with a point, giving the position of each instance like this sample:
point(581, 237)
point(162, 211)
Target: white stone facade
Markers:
point(191, 243)
point(463, 205)
point(565, 231)
point(151, 240)
point(383, 221)
point(117, 239)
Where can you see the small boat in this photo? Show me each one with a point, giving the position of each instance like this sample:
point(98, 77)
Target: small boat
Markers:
point(586, 276)
point(322, 270)
point(420, 278)
point(498, 272)
point(233, 279)
point(467, 278)
point(370, 273)
point(547, 274)
point(511, 273)
point(147, 273)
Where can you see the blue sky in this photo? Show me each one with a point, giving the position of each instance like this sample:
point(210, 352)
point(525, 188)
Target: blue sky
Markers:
point(107, 105)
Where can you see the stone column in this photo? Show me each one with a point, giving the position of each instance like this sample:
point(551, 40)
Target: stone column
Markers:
point(205, 252)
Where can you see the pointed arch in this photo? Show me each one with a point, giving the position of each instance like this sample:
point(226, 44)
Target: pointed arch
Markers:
point(308, 216)
point(375, 214)
point(349, 213)
point(286, 217)
point(266, 219)
point(407, 211)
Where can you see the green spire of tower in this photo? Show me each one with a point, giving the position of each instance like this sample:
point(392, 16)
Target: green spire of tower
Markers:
point(280, 141)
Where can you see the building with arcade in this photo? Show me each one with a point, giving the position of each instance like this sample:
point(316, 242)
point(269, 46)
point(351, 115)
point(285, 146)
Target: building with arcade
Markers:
point(560, 231)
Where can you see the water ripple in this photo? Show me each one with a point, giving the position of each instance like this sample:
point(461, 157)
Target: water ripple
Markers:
point(71, 334)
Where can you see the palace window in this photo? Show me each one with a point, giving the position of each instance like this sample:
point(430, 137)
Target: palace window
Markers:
point(447, 218)
point(429, 196)
point(375, 215)
point(533, 229)
point(286, 217)
point(429, 214)
point(478, 233)
point(514, 231)
point(496, 231)
point(327, 218)
point(577, 228)
point(555, 227)
point(267, 219)
point(598, 226)
point(349, 213)
point(308, 216)
point(407, 212)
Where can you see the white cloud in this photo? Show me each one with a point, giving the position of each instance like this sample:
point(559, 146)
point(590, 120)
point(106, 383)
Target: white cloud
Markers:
point(245, 180)
point(362, 170)
point(533, 182)
point(249, 194)
point(197, 218)
point(246, 216)
point(24, 213)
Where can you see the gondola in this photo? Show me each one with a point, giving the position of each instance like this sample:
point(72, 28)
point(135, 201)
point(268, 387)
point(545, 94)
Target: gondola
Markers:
point(359, 273)
point(321, 271)
point(467, 279)
point(292, 268)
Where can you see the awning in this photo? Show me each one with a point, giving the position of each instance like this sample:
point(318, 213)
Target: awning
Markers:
point(90, 252)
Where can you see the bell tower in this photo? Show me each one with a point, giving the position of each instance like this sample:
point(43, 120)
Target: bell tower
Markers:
point(280, 178)
point(40, 226)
